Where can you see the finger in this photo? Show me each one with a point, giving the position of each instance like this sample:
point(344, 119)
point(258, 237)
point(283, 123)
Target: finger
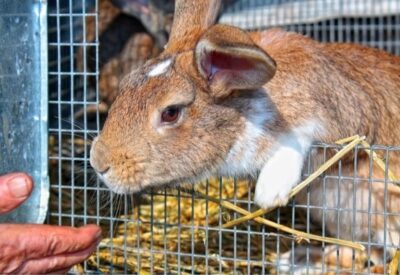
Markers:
point(15, 188)
point(57, 263)
point(32, 241)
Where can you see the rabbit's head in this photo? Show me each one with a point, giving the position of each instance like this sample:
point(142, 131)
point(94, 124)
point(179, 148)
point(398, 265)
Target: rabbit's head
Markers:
point(177, 117)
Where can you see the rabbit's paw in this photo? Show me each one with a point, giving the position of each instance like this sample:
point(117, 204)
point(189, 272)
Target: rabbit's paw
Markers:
point(278, 176)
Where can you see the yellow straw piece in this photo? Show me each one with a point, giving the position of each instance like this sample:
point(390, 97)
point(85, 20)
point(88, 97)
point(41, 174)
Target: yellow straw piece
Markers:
point(347, 140)
point(394, 266)
point(377, 160)
point(327, 165)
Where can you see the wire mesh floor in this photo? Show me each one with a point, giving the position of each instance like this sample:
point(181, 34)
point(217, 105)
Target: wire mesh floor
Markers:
point(91, 46)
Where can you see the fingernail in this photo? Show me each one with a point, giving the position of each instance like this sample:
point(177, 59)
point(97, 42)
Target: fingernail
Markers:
point(18, 187)
point(98, 235)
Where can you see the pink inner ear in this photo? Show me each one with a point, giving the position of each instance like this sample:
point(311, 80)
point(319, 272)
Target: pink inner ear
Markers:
point(215, 62)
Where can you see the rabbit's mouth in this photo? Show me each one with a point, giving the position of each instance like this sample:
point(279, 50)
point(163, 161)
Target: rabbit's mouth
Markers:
point(124, 176)
point(117, 185)
point(121, 180)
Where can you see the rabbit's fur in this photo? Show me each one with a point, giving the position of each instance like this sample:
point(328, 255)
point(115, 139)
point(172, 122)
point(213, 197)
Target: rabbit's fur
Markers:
point(251, 103)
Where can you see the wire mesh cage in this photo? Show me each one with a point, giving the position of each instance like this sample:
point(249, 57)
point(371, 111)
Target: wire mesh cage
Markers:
point(93, 44)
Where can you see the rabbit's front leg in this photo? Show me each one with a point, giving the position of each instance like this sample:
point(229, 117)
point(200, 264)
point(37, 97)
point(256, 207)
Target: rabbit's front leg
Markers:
point(283, 169)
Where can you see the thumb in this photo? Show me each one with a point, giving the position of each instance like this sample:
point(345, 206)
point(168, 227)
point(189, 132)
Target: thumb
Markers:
point(15, 188)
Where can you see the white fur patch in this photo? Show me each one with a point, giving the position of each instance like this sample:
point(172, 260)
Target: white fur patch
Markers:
point(160, 68)
point(242, 157)
point(280, 164)
point(283, 169)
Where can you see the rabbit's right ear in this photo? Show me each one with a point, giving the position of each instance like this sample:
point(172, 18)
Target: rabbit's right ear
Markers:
point(229, 60)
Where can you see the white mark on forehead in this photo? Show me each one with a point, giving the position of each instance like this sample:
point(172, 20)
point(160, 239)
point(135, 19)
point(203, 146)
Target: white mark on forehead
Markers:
point(160, 68)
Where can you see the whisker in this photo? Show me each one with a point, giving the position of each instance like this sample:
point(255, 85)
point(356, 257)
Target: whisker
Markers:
point(73, 136)
point(76, 125)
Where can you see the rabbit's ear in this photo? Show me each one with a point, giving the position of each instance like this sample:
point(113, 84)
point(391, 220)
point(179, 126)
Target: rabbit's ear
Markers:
point(229, 60)
point(191, 19)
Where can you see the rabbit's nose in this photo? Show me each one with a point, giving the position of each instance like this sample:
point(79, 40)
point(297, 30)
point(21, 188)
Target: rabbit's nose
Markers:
point(99, 157)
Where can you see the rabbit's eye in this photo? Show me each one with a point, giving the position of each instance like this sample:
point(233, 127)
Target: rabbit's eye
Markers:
point(170, 114)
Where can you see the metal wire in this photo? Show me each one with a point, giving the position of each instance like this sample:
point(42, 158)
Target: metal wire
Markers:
point(77, 197)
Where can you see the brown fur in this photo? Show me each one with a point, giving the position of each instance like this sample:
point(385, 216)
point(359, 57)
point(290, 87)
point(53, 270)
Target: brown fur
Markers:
point(191, 20)
point(360, 77)
point(348, 88)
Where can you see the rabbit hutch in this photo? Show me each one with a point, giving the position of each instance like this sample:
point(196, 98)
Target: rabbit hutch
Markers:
point(78, 51)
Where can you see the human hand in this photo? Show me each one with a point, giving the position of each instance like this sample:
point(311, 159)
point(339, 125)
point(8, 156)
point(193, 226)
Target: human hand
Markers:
point(34, 248)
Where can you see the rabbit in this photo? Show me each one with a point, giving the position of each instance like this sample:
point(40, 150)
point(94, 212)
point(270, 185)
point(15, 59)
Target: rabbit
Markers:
point(222, 101)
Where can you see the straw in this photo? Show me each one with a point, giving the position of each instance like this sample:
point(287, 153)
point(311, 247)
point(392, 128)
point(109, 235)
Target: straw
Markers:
point(297, 233)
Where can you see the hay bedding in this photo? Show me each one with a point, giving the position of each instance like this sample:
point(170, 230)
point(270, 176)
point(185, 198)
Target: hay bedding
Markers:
point(187, 225)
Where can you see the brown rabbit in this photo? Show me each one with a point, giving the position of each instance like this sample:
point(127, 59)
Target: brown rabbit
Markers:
point(222, 101)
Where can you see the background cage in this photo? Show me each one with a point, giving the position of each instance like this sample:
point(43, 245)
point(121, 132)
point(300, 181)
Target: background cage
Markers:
point(168, 231)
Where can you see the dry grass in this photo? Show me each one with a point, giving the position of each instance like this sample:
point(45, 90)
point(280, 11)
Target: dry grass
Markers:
point(176, 224)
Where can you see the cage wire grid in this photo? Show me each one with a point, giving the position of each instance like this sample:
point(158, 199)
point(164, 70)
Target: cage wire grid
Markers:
point(138, 230)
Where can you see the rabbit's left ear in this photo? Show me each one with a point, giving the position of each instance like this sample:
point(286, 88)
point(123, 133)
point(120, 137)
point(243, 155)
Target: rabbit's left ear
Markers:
point(192, 18)
point(229, 60)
